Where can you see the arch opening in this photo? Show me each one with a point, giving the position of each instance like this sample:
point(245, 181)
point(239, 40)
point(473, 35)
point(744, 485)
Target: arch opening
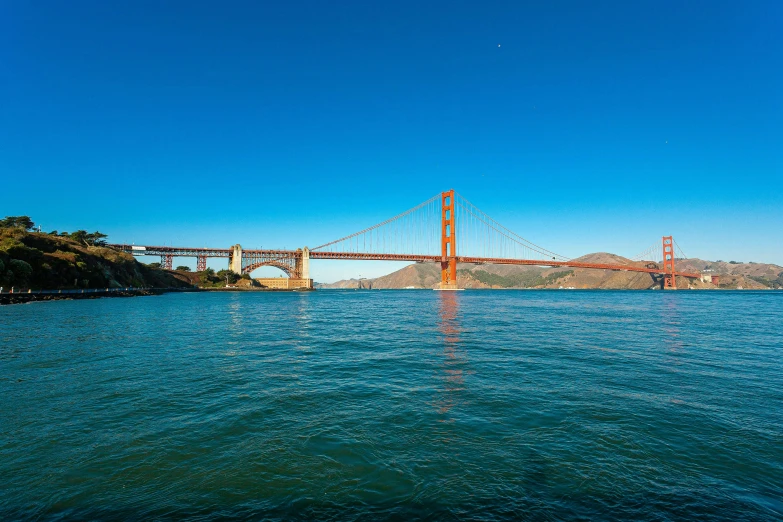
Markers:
point(284, 267)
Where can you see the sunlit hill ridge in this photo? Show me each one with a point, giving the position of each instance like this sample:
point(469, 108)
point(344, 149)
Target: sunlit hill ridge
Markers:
point(732, 274)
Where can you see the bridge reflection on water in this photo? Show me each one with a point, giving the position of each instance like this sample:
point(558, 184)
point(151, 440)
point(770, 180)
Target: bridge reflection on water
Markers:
point(454, 356)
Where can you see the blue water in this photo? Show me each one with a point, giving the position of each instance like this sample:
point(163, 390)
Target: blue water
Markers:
point(349, 405)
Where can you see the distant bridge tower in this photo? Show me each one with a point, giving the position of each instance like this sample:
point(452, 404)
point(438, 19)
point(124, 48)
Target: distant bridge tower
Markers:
point(448, 243)
point(301, 264)
point(304, 269)
point(235, 259)
point(669, 281)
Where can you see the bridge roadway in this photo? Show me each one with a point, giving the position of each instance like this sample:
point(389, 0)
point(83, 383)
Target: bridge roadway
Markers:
point(316, 254)
point(273, 257)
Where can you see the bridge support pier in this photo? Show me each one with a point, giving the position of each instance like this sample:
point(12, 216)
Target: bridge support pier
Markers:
point(166, 261)
point(301, 273)
point(235, 259)
point(304, 264)
point(201, 263)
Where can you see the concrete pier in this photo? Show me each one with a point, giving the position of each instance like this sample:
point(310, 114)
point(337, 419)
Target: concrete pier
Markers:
point(305, 273)
point(235, 261)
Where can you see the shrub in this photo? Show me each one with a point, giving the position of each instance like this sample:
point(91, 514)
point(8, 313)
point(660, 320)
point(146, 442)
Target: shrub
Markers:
point(21, 271)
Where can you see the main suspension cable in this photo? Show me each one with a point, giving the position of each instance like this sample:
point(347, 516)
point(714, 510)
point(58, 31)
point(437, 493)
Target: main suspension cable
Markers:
point(417, 207)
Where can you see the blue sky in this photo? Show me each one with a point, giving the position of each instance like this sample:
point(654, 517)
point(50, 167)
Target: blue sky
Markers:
point(582, 126)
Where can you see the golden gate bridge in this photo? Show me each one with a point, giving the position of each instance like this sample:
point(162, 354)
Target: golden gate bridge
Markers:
point(445, 229)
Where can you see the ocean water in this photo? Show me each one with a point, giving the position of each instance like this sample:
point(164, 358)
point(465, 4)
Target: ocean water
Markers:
point(357, 405)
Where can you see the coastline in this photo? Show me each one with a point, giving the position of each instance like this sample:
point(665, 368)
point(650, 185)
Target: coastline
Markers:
point(61, 295)
point(7, 298)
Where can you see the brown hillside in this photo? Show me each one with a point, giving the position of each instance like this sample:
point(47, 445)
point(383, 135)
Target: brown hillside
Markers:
point(43, 261)
point(427, 275)
point(604, 257)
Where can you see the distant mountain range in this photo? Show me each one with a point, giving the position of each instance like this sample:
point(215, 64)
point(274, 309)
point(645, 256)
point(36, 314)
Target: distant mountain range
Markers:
point(427, 275)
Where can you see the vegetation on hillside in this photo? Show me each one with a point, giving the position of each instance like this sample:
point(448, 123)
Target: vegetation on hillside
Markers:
point(517, 280)
point(772, 283)
point(37, 260)
point(81, 236)
point(23, 222)
point(210, 278)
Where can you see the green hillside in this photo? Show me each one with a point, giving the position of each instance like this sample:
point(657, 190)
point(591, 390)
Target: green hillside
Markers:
point(38, 260)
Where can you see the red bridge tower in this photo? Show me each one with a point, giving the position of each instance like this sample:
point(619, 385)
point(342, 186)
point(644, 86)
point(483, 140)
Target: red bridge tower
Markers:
point(448, 243)
point(669, 281)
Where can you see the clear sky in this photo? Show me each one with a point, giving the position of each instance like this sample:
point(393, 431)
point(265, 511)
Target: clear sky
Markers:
point(583, 126)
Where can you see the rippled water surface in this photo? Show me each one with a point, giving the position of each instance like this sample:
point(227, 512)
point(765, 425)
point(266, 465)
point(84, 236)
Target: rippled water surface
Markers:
point(394, 404)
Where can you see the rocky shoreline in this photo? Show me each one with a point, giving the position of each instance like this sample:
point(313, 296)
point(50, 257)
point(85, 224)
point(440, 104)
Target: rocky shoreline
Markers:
point(60, 295)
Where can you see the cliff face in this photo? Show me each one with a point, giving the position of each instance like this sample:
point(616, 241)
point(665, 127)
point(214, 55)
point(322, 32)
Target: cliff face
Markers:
point(42, 261)
point(427, 275)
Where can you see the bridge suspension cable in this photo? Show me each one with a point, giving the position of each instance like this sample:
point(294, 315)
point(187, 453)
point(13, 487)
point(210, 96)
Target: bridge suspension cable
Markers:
point(651, 253)
point(418, 231)
point(415, 231)
point(478, 235)
point(655, 253)
point(678, 249)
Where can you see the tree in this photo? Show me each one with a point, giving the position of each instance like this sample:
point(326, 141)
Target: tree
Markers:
point(183, 268)
point(21, 271)
point(206, 276)
point(154, 265)
point(97, 238)
point(89, 239)
point(229, 276)
point(80, 236)
point(17, 221)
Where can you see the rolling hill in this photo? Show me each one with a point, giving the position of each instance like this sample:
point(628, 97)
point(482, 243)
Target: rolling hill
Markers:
point(427, 275)
point(45, 261)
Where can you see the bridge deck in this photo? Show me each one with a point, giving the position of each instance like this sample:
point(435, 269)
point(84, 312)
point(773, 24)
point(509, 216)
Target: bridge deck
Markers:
point(492, 260)
point(571, 264)
point(367, 256)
